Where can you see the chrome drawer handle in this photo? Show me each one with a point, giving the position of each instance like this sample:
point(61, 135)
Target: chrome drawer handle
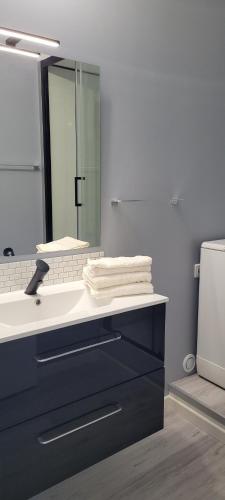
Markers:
point(43, 360)
point(43, 441)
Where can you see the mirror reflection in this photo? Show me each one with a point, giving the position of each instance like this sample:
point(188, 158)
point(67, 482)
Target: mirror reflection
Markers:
point(49, 155)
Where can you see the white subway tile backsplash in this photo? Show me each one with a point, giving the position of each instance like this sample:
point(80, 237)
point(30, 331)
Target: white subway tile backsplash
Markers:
point(4, 278)
point(67, 280)
point(61, 264)
point(67, 269)
point(57, 281)
point(16, 275)
point(23, 263)
point(8, 272)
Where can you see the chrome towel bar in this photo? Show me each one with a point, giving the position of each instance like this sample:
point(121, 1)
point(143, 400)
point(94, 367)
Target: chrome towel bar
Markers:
point(173, 202)
point(117, 202)
point(14, 167)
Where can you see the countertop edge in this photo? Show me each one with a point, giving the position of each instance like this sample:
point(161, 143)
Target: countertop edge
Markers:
point(155, 300)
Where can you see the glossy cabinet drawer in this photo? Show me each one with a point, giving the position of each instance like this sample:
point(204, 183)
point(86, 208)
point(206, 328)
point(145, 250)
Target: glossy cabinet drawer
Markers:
point(46, 450)
point(144, 327)
point(104, 354)
point(18, 370)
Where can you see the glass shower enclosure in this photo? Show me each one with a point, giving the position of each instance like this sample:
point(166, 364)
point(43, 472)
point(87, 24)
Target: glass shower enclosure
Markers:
point(71, 119)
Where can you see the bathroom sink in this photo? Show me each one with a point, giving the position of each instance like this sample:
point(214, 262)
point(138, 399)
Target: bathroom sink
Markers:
point(58, 306)
point(34, 308)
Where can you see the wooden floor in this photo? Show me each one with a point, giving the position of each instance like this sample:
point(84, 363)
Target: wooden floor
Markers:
point(203, 392)
point(179, 463)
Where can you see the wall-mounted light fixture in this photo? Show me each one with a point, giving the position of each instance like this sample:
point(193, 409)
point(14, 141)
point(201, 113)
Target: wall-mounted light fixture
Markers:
point(20, 52)
point(13, 37)
point(29, 37)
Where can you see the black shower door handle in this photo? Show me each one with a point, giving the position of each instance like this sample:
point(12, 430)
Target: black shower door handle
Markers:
point(76, 179)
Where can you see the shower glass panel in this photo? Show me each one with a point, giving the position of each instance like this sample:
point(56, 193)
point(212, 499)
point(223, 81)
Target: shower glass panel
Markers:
point(88, 152)
point(72, 152)
point(61, 83)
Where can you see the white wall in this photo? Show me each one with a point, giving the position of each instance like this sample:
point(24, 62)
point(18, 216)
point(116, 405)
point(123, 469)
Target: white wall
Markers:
point(163, 130)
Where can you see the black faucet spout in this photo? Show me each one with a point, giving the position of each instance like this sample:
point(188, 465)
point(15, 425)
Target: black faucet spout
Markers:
point(36, 281)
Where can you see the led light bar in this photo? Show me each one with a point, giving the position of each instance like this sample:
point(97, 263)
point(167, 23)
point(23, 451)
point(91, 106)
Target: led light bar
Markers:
point(20, 52)
point(29, 37)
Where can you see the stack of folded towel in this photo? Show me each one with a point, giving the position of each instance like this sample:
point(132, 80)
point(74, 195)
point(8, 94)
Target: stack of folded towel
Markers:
point(114, 277)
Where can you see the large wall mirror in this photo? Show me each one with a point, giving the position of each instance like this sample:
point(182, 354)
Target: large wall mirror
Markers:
point(49, 153)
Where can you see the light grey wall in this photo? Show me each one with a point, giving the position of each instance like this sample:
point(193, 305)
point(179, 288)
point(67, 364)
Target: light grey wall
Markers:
point(21, 219)
point(163, 130)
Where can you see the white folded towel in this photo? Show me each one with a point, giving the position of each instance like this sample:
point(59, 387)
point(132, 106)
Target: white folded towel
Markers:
point(112, 265)
point(122, 290)
point(116, 279)
point(120, 262)
point(66, 243)
point(98, 271)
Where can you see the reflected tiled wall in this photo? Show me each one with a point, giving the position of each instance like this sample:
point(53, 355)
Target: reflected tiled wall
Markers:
point(16, 275)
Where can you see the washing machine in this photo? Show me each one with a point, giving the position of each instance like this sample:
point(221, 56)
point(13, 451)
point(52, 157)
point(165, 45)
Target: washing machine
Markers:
point(211, 314)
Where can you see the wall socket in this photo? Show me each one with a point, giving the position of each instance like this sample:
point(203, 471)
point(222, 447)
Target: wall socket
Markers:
point(197, 271)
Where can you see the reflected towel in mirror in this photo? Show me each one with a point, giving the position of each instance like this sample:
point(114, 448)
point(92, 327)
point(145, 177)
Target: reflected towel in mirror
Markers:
point(66, 243)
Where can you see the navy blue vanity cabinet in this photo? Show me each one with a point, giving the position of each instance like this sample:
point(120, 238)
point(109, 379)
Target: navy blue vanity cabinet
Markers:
point(72, 363)
point(17, 367)
point(85, 392)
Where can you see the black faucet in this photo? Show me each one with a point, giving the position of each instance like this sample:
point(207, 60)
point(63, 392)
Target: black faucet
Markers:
point(36, 281)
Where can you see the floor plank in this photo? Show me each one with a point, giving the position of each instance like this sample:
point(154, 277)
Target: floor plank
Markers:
point(180, 462)
point(204, 392)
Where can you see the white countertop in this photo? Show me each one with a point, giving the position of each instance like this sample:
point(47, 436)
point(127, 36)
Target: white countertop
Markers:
point(61, 305)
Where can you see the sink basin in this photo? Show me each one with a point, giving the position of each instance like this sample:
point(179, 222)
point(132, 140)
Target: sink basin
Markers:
point(59, 306)
point(34, 308)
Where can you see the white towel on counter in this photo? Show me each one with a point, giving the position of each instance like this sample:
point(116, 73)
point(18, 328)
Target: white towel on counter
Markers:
point(114, 265)
point(66, 243)
point(116, 279)
point(98, 271)
point(122, 290)
point(120, 262)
